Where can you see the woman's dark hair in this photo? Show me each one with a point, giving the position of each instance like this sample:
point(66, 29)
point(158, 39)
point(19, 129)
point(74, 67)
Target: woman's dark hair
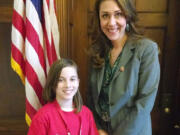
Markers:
point(49, 94)
point(100, 43)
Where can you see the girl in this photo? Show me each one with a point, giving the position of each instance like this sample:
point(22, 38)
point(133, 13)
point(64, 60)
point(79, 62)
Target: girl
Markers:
point(64, 113)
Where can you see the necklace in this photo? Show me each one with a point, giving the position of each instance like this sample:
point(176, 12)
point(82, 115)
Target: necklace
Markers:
point(65, 122)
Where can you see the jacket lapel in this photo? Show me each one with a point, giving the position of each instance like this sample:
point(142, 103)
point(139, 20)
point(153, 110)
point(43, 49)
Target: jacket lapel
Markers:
point(99, 80)
point(127, 53)
point(100, 76)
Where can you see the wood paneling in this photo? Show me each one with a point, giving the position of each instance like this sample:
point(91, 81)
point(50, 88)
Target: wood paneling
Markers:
point(80, 40)
point(6, 14)
point(143, 5)
point(5, 3)
point(13, 127)
point(12, 93)
point(152, 19)
point(91, 5)
point(62, 16)
point(151, 5)
point(158, 36)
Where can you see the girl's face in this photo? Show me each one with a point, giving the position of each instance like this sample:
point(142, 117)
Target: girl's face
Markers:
point(67, 85)
point(112, 20)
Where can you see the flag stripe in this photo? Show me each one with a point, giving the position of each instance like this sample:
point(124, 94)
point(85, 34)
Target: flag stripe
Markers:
point(47, 31)
point(47, 3)
point(32, 58)
point(18, 23)
point(33, 17)
point(33, 80)
point(30, 109)
point(48, 47)
point(19, 7)
point(55, 32)
point(17, 39)
point(32, 97)
point(34, 41)
point(17, 56)
point(54, 57)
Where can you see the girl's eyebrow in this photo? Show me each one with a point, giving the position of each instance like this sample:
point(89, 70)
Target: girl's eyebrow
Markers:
point(71, 76)
point(75, 76)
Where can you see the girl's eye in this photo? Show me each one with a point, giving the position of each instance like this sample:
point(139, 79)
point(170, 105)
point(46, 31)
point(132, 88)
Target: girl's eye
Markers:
point(60, 80)
point(73, 79)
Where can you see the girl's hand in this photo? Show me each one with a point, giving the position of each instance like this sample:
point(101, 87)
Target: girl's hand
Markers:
point(102, 132)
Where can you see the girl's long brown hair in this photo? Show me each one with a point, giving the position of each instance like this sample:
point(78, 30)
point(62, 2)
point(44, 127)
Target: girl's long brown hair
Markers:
point(49, 94)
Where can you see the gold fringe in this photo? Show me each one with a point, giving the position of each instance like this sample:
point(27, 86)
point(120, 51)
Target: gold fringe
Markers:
point(28, 119)
point(16, 67)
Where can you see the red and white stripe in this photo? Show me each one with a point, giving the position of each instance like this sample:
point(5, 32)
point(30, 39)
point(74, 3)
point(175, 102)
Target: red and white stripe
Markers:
point(51, 31)
point(35, 46)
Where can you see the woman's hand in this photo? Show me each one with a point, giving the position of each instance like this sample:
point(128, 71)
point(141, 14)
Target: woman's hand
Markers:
point(102, 132)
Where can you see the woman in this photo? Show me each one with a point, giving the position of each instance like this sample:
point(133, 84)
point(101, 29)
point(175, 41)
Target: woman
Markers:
point(125, 71)
point(64, 113)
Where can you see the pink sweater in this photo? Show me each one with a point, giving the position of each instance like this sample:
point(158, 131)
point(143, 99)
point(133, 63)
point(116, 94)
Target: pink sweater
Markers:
point(48, 121)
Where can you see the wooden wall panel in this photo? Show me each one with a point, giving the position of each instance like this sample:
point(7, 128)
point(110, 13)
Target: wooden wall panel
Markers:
point(158, 36)
point(62, 16)
point(143, 5)
point(5, 3)
point(13, 127)
point(6, 8)
point(91, 5)
point(152, 19)
point(6, 14)
point(12, 93)
point(151, 5)
point(80, 40)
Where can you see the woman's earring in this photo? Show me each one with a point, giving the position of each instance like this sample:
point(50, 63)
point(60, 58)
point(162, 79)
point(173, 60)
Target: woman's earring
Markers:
point(127, 27)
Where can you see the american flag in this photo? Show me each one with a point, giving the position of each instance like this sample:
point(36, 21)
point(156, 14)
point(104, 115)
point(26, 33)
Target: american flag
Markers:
point(35, 46)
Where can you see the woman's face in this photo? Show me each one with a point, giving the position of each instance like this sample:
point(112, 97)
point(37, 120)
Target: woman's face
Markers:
point(112, 20)
point(68, 84)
